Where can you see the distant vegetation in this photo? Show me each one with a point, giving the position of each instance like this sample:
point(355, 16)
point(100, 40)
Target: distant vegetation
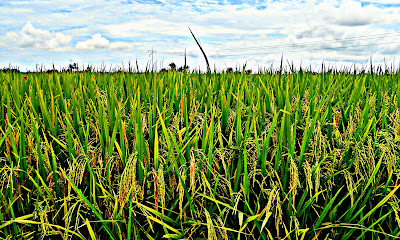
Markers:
point(278, 154)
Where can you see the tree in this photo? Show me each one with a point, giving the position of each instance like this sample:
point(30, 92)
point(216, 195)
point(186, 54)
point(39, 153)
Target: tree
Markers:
point(72, 67)
point(89, 68)
point(182, 68)
point(10, 69)
point(172, 66)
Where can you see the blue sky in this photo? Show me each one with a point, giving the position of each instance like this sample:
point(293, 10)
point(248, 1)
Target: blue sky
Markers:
point(232, 32)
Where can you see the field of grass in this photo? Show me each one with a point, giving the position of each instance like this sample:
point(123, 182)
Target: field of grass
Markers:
point(199, 156)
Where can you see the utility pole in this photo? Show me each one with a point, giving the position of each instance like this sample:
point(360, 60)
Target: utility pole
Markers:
point(151, 54)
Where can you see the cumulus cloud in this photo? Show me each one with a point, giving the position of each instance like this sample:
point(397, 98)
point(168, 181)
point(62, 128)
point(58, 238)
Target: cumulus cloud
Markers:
point(121, 46)
point(95, 42)
point(30, 37)
point(352, 13)
point(99, 42)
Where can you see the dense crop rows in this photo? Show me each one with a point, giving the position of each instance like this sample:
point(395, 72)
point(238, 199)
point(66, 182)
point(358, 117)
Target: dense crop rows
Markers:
point(219, 156)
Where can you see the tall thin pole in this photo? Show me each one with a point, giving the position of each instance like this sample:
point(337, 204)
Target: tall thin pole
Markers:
point(201, 49)
point(151, 54)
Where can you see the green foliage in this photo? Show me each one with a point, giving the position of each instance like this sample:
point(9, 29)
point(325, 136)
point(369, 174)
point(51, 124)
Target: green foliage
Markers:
point(199, 156)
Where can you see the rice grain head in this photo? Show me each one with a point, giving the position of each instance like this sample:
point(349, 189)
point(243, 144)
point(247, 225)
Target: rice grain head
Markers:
point(294, 177)
point(128, 180)
point(77, 169)
point(268, 209)
point(294, 221)
point(393, 202)
point(161, 186)
point(308, 173)
point(210, 226)
point(350, 185)
point(222, 230)
point(192, 171)
point(278, 214)
point(181, 191)
point(156, 192)
point(317, 177)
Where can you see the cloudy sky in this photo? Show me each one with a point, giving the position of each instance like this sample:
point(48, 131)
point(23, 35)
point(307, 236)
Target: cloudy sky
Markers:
point(232, 32)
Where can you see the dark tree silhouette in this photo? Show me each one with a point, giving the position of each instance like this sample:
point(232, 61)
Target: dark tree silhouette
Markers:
point(12, 70)
point(72, 67)
point(182, 68)
point(172, 66)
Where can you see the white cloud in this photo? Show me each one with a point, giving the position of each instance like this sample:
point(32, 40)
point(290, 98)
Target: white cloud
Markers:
point(121, 46)
point(352, 13)
point(30, 37)
point(383, 1)
point(96, 42)
point(99, 42)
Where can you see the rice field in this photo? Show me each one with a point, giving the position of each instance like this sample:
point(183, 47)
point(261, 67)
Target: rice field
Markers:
point(122, 155)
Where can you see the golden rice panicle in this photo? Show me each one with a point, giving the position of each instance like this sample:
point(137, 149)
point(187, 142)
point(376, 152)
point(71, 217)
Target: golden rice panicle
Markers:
point(317, 180)
point(294, 177)
point(77, 170)
point(156, 191)
point(133, 179)
point(268, 209)
point(294, 221)
point(222, 230)
point(181, 191)
point(45, 146)
point(128, 180)
point(395, 119)
point(278, 214)
point(308, 173)
point(210, 226)
point(192, 171)
point(396, 209)
point(350, 185)
point(161, 186)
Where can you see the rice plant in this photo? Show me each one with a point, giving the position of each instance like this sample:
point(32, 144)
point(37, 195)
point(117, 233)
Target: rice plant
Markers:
point(200, 156)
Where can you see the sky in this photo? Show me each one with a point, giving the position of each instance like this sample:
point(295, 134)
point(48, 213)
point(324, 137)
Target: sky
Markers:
point(233, 33)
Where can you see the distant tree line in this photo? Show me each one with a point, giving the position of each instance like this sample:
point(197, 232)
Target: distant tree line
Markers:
point(172, 67)
point(73, 67)
point(10, 70)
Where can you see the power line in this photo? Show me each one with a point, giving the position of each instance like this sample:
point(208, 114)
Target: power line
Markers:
point(317, 42)
point(307, 44)
point(302, 50)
